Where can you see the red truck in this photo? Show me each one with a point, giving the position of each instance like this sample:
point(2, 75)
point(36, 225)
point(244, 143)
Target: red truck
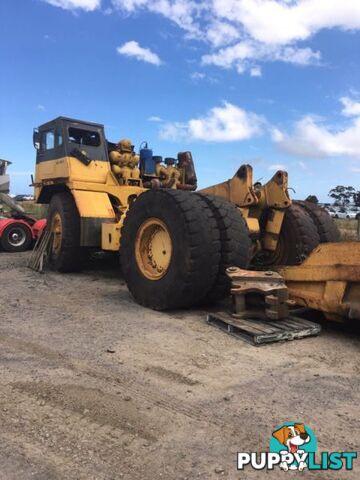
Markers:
point(19, 232)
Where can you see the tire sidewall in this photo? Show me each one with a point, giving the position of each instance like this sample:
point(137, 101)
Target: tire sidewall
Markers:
point(6, 245)
point(57, 261)
point(180, 244)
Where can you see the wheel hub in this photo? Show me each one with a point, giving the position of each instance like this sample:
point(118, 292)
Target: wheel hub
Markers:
point(56, 230)
point(153, 249)
point(16, 237)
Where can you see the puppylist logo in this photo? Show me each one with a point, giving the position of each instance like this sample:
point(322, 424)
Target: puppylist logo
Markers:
point(293, 447)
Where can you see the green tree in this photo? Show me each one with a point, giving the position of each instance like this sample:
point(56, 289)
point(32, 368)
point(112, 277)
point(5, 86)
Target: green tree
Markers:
point(342, 195)
point(356, 198)
point(312, 199)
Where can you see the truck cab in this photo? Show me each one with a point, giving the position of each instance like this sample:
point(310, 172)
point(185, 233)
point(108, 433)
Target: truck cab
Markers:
point(69, 151)
point(72, 162)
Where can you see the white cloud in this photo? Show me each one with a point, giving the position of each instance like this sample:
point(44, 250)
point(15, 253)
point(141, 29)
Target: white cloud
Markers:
point(181, 12)
point(230, 56)
point(299, 56)
point(221, 33)
point(87, 5)
point(283, 22)
point(40, 107)
point(240, 55)
point(133, 49)
point(174, 131)
point(241, 32)
point(277, 166)
point(279, 22)
point(154, 118)
point(253, 30)
point(227, 123)
point(311, 138)
point(351, 108)
point(197, 76)
point(255, 72)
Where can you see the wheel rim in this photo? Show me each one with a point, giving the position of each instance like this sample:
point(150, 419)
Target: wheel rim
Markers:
point(16, 237)
point(153, 249)
point(56, 230)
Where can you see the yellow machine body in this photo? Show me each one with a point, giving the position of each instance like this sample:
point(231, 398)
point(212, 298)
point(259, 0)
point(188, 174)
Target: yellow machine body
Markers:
point(328, 280)
point(74, 156)
point(104, 179)
point(101, 193)
point(92, 187)
point(252, 200)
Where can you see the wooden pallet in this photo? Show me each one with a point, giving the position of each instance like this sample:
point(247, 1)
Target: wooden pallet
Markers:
point(259, 332)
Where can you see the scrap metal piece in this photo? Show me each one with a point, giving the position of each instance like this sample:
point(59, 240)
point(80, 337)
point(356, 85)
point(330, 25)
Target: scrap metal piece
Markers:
point(11, 204)
point(258, 294)
point(40, 251)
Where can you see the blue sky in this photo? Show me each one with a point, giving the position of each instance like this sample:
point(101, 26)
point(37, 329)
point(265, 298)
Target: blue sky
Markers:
point(272, 83)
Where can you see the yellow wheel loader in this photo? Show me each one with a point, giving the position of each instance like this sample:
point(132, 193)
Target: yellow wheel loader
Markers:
point(175, 244)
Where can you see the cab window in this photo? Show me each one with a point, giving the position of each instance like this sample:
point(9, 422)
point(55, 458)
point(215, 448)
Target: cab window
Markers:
point(48, 140)
point(59, 138)
point(84, 137)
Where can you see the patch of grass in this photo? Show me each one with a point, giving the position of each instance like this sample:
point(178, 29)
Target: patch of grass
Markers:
point(349, 228)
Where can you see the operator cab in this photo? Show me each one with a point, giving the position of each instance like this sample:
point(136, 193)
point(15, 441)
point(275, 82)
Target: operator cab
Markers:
point(67, 137)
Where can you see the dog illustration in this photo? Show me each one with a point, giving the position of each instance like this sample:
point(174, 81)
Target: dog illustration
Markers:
point(292, 436)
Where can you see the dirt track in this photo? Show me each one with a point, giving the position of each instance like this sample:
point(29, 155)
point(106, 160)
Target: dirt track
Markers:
point(175, 400)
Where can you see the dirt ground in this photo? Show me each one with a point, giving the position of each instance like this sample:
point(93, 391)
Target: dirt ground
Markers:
point(93, 386)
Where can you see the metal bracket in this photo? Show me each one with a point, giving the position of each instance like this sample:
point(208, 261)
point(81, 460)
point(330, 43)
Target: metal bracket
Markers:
point(258, 294)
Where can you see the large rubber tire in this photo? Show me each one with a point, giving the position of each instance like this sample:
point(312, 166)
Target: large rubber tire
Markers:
point(235, 243)
point(298, 238)
point(326, 227)
point(195, 255)
point(69, 256)
point(16, 238)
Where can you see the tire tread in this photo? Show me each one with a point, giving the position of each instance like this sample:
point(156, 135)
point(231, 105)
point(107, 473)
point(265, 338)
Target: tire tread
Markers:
point(326, 227)
point(236, 245)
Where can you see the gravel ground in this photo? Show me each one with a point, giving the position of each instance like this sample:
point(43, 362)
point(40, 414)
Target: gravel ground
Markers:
point(93, 386)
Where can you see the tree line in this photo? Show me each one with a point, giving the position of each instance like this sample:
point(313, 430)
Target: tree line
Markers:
point(342, 196)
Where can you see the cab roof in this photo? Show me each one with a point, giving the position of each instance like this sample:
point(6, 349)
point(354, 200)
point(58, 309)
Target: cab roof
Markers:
point(69, 120)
